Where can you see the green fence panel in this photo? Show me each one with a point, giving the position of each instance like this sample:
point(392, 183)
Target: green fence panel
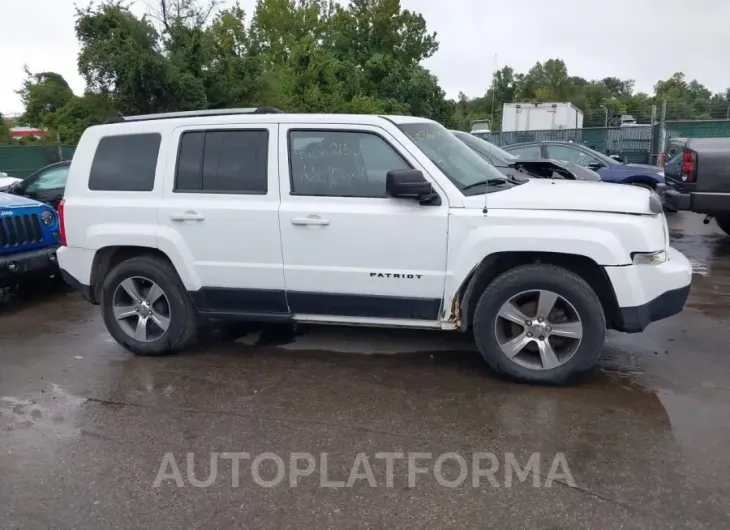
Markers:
point(23, 160)
point(698, 129)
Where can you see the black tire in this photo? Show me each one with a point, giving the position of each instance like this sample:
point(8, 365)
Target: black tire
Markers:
point(723, 221)
point(183, 327)
point(534, 277)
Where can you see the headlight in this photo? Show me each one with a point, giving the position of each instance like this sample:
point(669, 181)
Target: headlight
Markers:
point(655, 203)
point(649, 258)
point(47, 218)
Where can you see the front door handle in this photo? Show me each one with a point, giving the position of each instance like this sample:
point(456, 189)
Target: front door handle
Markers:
point(187, 216)
point(310, 220)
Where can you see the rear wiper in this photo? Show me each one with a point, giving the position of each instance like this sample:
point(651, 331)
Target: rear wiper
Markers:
point(487, 182)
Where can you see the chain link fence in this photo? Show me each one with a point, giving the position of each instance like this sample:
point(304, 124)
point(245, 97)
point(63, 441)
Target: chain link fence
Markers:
point(638, 144)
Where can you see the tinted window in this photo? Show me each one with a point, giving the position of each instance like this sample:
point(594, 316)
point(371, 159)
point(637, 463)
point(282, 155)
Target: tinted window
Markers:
point(223, 162)
point(125, 163)
point(570, 154)
point(341, 164)
point(52, 179)
point(529, 152)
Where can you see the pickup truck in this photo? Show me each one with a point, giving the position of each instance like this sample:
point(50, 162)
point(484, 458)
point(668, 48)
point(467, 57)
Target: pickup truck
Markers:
point(699, 180)
point(29, 237)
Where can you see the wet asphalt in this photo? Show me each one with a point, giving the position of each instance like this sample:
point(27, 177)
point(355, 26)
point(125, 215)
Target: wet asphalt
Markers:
point(85, 426)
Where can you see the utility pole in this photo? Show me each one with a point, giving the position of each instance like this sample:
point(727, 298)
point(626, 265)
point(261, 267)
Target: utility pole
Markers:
point(494, 73)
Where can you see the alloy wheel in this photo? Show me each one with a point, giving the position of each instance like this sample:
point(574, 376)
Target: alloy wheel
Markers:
point(142, 309)
point(539, 329)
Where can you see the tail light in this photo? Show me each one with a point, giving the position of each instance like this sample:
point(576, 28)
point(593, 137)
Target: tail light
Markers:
point(62, 221)
point(689, 166)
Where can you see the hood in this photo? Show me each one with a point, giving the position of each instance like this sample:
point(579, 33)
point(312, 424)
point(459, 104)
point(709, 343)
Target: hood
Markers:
point(7, 181)
point(567, 195)
point(8, 200)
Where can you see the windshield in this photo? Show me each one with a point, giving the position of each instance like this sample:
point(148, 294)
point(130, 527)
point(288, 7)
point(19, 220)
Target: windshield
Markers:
point(498, 156)
point(603, 158)
point(461, 165)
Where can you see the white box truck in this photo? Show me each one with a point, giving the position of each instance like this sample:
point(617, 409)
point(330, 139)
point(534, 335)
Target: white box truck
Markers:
point(541, 116)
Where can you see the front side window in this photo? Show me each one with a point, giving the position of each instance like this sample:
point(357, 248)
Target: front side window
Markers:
point(456, 160)
point(341, 163)
point(223, 162)
point(125, 163)
point(528, 152)
point(53, 179)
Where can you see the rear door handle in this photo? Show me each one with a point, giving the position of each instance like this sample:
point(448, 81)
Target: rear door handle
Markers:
point(187, 216)
point(310, 220)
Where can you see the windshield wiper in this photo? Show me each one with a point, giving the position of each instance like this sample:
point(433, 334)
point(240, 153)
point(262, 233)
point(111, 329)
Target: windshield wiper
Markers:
point(501, 180)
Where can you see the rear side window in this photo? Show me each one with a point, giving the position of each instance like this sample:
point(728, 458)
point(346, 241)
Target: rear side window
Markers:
point(223, 162)
point(125, 163)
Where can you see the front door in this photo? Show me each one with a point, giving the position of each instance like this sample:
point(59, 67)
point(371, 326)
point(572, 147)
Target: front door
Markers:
point(350, 252)
point(220, 216)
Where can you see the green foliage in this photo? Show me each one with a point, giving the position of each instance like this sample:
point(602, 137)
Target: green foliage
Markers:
point(363, 56)
point(599, 100)
point(42, 95)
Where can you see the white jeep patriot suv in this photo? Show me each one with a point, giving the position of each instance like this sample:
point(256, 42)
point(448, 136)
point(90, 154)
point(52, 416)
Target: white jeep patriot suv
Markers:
point(258, 215)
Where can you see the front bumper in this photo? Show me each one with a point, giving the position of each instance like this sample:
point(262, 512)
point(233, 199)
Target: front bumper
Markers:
point(13, 267)
point(647, 293)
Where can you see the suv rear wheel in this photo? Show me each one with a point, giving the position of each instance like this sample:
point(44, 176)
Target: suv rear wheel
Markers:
point(539, 324)
point(146, 307)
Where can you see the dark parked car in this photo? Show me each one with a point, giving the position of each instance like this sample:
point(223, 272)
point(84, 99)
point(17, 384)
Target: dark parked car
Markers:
point(701, 182)
point(508, 164)
point(45, 185)
point(608, 168)
point(671, 159)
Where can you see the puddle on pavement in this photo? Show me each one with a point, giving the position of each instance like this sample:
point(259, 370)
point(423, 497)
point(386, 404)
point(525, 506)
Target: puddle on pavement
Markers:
point(36, 422)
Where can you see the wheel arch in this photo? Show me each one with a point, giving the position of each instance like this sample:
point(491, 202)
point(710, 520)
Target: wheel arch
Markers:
point(106, 258)
point(465, 300)
point(641, 179)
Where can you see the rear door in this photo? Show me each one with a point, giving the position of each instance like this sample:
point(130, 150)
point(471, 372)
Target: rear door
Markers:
point(220, 213)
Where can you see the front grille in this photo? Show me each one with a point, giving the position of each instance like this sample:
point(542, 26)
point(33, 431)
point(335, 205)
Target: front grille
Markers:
point(20, 230)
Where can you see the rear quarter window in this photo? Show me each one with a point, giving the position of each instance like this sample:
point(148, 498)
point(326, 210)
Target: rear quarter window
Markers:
point(125, 163)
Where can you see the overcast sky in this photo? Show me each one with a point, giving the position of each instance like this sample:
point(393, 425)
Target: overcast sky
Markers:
point(644, 40)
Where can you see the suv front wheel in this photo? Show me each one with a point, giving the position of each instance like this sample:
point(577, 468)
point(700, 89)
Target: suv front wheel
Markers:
point(539, 324)
point(146, 307)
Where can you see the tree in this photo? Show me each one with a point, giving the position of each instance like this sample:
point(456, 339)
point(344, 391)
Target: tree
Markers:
point(42, 95)
point(121, 57)
point(307, 56)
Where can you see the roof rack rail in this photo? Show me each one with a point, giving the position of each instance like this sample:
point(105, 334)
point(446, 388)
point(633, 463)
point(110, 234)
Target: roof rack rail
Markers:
point(193, 114)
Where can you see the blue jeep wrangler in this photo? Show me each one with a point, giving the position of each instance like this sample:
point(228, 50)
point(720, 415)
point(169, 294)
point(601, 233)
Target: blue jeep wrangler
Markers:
point(29, 237)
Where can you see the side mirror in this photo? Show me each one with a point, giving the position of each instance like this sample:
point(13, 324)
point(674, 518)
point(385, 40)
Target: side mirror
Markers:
point(407, 184)
point(16, 187)
point(595, 166)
